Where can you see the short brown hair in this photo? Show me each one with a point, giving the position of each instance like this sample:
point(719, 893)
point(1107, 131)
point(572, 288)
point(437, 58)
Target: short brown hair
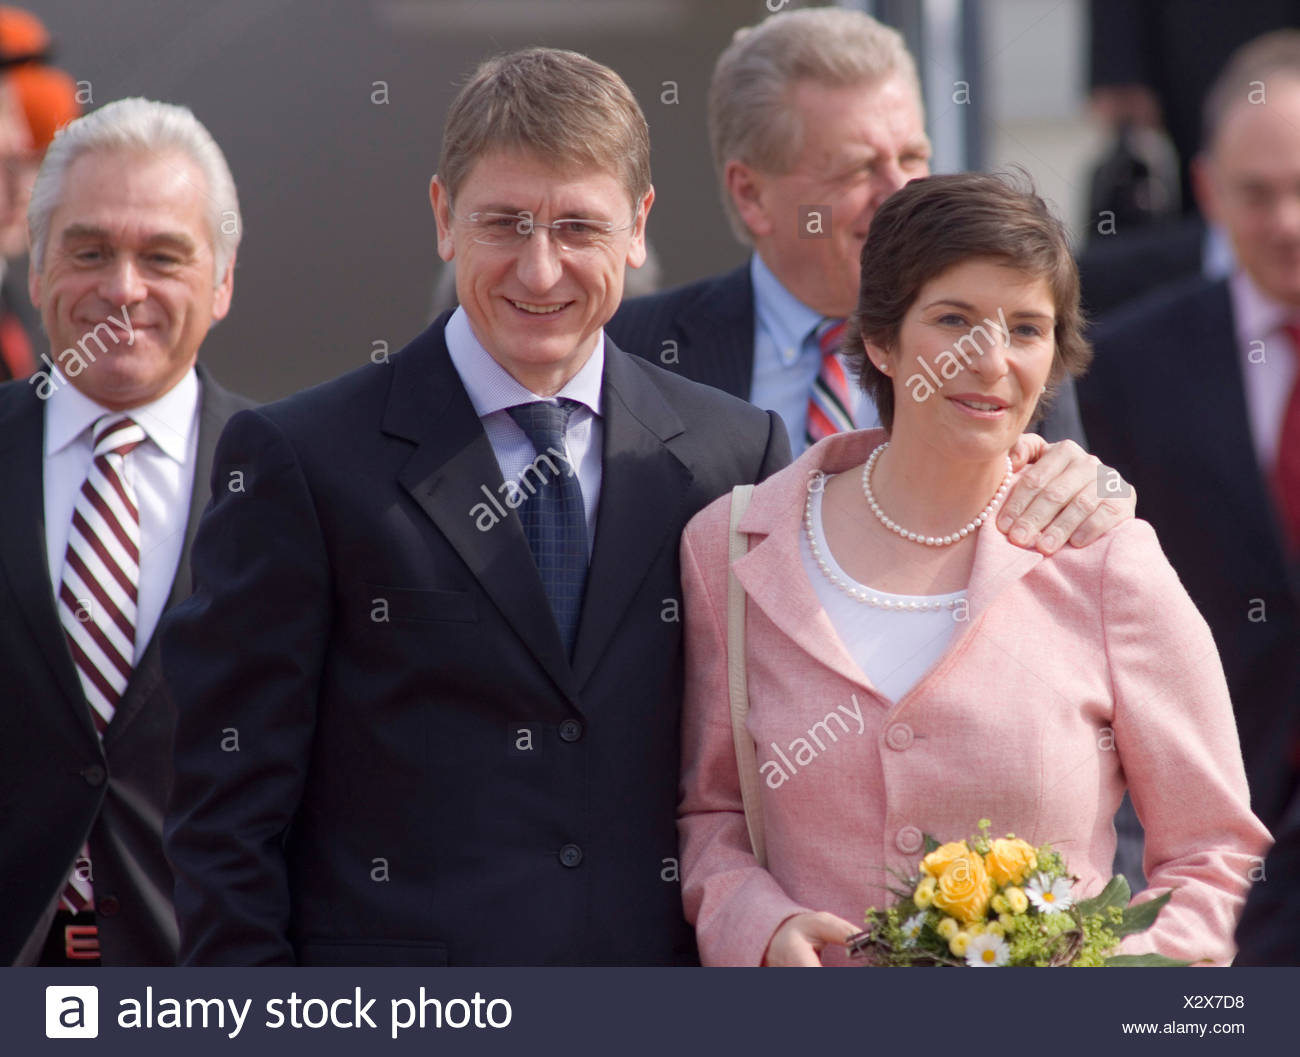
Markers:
point(558, 105)
point(935, 223)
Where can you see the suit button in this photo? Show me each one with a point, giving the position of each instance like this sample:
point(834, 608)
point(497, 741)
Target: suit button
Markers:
point(570, 730)
point(570, 855)
point(909, 840)
point(94, 774)
point(109, 906)
point(899, 737)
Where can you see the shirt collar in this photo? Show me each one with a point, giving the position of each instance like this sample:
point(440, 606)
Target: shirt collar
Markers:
point(492, 388)
point(785, 318)
point(1255, 313)
point(167, 421)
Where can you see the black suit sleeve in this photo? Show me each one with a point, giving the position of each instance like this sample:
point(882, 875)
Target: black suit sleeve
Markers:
point(777, 454)
point(1062, 421)
point(243, 657)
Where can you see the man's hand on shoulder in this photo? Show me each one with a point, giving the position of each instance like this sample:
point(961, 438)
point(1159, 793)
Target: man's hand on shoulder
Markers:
point(1060, 496)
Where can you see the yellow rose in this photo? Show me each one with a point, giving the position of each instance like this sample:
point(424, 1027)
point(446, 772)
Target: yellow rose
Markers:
point(1016, 900)
point(1010, 859)
point(958, 944)
point(964, 888)
point(934, 863)
point(948, 928)
point(924, 894)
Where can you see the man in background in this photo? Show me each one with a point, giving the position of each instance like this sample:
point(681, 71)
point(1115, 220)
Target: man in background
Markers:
point(1192, 396)
point(104, 461)
point(815, 118)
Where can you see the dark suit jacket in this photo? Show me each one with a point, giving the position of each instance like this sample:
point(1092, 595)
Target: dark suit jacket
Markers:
point(422, 776)
point(1165, 405)
point(1269, 930)
point(704, 331)
point(58, 782)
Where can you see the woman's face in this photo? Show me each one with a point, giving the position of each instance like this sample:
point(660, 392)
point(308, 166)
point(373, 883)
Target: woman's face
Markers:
point(973, 355)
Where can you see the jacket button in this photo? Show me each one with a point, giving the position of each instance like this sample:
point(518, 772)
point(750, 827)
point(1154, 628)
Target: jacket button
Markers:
point(570, 730)
point(909, 840)
point(899, 737)
point(94, 774)
point(570, 855)
point(109, 906)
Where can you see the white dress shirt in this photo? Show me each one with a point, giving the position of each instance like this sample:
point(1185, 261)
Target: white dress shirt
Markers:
point(1268, 363)
point(161, 470)
point(492, 389)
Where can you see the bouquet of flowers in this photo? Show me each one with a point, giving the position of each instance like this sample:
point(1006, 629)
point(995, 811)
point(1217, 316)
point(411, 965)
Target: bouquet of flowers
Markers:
point(1001, 901)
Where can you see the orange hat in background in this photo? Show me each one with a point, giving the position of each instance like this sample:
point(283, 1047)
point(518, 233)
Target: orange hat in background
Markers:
point(47, 95)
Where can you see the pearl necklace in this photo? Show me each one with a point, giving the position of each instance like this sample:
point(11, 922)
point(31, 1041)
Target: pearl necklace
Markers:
point(916, 537)
point(859, 594)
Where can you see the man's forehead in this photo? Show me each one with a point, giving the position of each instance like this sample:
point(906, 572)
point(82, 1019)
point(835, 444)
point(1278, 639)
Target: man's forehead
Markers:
point(522, 180)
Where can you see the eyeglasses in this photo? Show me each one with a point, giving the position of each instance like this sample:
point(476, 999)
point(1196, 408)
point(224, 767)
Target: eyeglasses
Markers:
point(511, 230)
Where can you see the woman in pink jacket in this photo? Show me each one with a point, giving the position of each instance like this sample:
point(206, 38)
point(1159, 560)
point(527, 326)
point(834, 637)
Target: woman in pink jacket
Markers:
point(910, 670)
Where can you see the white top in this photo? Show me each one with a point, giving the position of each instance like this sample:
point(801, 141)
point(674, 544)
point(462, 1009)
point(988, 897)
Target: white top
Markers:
point(161, 470)
point(1268, 364)
point(894, 649)
point(492, 389)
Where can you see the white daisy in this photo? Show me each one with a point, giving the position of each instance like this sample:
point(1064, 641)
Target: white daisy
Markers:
point(987, 949)
point(1048, 896)
point(912, 929)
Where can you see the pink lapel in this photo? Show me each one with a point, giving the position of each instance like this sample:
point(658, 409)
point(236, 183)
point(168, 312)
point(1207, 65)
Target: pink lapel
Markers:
point(772, 573)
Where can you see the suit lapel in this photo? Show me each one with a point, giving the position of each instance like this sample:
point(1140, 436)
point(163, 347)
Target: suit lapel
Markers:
point(453, 471)
point(1219, 373)
point(718, 333)
point(22, 540)
point(642, 490)
point(772, 572)
point(216, 405)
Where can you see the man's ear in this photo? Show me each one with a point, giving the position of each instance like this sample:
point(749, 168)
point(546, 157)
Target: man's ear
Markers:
point(225, 290)
point(440, 199)
point(1204, 190)
point(746, 187)
point(636, 250)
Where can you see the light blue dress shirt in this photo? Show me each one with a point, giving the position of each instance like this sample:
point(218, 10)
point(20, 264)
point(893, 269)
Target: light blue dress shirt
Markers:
point(492, 389)
point(787, 357)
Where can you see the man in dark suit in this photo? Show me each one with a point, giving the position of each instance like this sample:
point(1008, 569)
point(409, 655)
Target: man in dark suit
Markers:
point(815, 118)
point(1193, 397)
point(104, 461)
point(414, 726)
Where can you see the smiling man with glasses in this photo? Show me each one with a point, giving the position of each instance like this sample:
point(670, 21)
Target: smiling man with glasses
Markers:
point(457, 722)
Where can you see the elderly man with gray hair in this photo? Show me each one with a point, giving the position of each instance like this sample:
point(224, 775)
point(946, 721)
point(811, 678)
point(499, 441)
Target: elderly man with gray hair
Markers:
point(134, 224)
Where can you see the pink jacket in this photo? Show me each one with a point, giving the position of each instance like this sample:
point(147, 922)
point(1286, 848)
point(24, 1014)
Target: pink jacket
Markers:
point(1071, 678)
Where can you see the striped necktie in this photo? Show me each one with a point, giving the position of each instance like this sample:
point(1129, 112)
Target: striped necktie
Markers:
point(98, 590)
point(830, 405)
point(1286, 468)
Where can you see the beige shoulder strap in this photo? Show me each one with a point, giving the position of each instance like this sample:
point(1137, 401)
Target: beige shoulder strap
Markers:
point(746, 757)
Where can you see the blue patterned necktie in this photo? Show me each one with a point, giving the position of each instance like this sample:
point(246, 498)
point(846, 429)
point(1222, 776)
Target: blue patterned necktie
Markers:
point(553, 516)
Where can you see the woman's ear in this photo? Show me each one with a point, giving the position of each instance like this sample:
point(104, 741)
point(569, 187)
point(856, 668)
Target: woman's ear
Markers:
point(878, 355)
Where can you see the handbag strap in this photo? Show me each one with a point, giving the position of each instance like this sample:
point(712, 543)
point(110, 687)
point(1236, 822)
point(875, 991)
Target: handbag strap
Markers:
point(737, 685)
